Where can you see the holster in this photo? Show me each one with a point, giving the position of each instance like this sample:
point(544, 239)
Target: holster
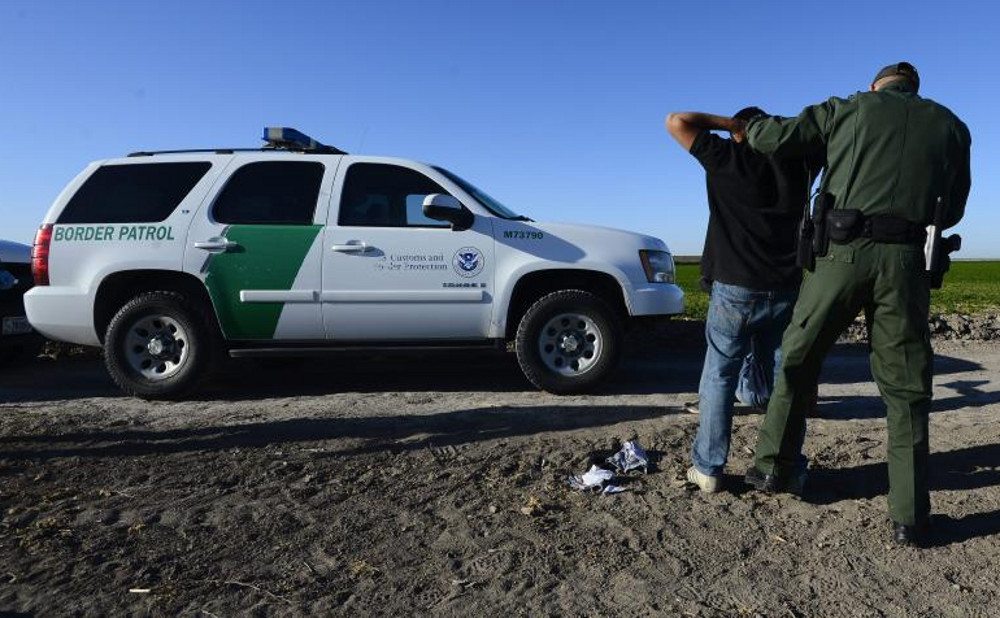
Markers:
point(937, 275)
point(822, 206)
point(804, 251)
point(813, 239)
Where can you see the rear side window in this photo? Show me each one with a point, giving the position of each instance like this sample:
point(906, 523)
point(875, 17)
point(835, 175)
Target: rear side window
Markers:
point(271, 193)
point(138, 193)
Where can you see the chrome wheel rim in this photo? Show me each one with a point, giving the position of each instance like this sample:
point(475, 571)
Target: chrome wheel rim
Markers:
point(156, 347)
point(570, 344)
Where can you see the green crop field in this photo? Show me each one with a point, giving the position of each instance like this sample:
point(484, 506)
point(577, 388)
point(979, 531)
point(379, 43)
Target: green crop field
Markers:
point(969, 287)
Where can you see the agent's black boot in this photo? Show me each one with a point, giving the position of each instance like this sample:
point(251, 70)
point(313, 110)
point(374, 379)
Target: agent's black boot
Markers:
point(910, 536)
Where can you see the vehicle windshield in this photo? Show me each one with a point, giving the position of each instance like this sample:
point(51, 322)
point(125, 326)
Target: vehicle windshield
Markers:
point(482, 197)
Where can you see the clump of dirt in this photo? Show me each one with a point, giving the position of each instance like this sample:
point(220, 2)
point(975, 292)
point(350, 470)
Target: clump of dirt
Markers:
point(984, 327)
point(944, 327)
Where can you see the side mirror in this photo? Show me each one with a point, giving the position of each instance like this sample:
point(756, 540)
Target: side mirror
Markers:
point(441, 207)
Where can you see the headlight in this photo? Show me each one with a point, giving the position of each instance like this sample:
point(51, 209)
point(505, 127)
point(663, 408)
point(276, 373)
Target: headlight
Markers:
point(659, 266)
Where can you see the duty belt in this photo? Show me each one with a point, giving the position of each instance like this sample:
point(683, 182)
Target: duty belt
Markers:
point(844, 225)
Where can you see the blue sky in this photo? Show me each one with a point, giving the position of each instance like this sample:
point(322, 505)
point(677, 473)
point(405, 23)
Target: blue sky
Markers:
point(556, 108)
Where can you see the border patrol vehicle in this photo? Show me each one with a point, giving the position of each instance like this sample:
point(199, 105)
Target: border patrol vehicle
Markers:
point(172, 259)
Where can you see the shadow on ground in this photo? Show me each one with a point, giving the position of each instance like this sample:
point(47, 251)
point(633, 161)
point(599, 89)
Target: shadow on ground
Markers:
point(650, 366)
point(974, 467)
point(963, 469)
point(947, 530)
point(240, 380)
point(387, 433)
point(969, 395)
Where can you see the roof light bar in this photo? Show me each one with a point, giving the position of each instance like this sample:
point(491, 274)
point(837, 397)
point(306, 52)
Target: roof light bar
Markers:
point(287, 138)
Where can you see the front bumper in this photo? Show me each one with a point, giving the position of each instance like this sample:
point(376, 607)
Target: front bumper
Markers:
point(657, 299)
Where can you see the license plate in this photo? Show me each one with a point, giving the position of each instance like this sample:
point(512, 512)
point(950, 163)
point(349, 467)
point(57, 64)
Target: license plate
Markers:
point(16, 326)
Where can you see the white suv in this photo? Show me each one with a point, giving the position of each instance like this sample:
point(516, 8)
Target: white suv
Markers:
point(170, 259)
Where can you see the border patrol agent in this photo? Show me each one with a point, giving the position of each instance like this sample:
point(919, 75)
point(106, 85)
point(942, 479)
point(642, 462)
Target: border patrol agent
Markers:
point(891, 157)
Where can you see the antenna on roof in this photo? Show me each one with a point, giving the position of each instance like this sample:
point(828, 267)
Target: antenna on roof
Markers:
point(287, 138)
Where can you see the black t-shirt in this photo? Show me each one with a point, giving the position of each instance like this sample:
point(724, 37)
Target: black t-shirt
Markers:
point(755, 205)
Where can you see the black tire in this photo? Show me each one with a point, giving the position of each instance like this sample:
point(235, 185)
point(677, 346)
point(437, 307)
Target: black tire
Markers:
point(542, 339)
point(197, 346)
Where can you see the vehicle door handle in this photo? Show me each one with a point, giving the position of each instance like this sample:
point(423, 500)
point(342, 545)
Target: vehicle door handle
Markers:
point(216, 245)
point(352, 247)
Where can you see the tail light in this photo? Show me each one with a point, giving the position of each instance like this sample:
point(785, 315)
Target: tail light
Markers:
point(40, 255)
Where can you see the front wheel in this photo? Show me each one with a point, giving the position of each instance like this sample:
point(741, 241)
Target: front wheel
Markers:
point(159, 346)
point(568, 342)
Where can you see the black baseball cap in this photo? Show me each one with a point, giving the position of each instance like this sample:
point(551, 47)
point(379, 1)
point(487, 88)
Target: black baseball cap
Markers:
point(904, 69)
point(747, 113)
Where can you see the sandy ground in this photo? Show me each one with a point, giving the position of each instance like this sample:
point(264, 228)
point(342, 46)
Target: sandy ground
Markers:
point(434, 485)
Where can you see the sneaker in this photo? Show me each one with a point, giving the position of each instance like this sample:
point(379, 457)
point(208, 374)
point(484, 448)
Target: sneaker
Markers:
point(691, 407)
point(708, 484)
point(771, 484)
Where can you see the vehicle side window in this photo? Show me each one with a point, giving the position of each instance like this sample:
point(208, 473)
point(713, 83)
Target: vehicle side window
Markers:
point(133, 193)
point(379, 195)
point(270, 193)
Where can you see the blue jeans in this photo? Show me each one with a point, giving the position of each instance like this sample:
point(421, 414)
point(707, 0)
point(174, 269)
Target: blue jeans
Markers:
point(739, 319)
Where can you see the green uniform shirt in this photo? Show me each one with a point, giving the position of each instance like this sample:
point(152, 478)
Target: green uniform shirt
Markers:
point(889, 152)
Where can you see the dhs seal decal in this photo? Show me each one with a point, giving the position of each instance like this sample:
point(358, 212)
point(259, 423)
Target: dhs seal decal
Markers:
point(468, 261)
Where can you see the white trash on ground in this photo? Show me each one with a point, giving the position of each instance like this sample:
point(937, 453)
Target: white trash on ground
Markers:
point(591, 479)
point(630, 457)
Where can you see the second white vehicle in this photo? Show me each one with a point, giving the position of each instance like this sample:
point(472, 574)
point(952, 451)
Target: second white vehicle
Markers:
point(169, 259)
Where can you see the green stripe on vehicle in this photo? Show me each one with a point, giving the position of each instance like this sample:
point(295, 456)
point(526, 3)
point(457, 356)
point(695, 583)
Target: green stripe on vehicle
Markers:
point(268, 257)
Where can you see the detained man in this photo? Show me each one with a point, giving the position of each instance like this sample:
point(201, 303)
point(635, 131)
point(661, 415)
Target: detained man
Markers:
point(755, 206)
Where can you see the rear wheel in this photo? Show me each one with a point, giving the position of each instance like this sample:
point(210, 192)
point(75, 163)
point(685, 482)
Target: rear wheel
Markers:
point(568, 342)
point(160, 346)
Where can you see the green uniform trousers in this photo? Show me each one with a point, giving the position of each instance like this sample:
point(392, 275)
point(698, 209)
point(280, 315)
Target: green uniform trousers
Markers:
point(887, 281)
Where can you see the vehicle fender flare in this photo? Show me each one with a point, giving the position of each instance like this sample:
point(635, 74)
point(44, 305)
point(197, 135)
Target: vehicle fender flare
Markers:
point(511, 279)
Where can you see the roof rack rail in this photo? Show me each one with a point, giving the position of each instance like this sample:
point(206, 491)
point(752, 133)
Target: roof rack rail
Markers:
point(149, 153)
point(277, 138)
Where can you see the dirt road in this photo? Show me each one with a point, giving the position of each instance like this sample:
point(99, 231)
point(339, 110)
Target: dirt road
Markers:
point(436, 486)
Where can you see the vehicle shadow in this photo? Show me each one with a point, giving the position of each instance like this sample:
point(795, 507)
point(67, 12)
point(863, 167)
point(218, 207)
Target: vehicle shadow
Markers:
point(668, 362)
point(51, 380)
point(251, 379)
point(448, 372)
point(394, 434)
